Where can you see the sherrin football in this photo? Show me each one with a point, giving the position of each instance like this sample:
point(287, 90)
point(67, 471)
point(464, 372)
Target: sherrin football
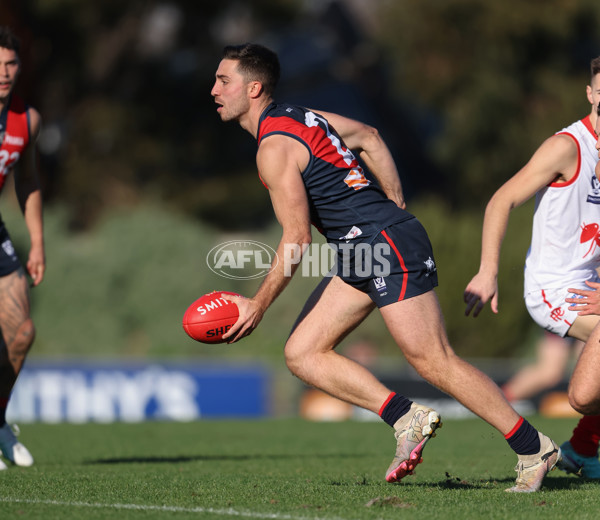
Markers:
point(209, 317)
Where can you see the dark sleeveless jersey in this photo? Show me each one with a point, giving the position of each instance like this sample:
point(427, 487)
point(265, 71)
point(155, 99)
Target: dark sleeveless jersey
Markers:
point(14, 124)
point(344, 203)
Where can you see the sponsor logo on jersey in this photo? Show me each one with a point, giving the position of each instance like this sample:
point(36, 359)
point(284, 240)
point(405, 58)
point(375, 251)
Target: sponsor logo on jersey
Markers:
point(14, 140)
point(594, 196)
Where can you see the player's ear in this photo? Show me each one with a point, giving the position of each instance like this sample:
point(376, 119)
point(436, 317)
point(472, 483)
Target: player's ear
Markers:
point(255, 89)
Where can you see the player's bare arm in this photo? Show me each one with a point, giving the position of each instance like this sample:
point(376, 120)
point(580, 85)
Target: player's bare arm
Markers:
point(29, 194)
point(588, 302)
point(554, 161)
point(280, 161)
point(368, 143)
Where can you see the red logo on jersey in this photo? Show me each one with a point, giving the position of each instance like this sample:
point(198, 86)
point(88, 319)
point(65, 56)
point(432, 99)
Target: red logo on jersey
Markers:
point(590, 232)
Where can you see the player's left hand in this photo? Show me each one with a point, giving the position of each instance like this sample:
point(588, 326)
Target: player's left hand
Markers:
point(36, 266)
point(481, 289)
point(250, 314)
point(589, 300)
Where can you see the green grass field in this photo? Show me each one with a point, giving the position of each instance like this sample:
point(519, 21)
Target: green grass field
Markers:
point(281, 469)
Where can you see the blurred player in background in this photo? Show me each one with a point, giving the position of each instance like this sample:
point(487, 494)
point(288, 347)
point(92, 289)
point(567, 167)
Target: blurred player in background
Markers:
point(19, 128)
point(564, 251)
point(304, 160)
point(553, 354)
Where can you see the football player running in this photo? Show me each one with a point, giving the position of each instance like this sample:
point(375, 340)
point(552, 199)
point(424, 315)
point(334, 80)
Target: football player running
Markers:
point(304, 160)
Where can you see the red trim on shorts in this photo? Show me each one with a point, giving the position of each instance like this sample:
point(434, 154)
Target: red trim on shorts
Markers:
point(544, 298)
point(386, 403)
point(3, 402)
point(516, 427)
point(402, 264)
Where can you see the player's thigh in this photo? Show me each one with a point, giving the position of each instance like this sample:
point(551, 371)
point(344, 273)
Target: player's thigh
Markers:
point(14, 295)
point(583, 326)
point(417, 326)
point(331, 312)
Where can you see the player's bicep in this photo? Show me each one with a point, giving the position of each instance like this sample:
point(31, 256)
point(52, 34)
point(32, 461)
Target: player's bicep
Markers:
point(279, 160)
point(352, 132)
point(556, 158)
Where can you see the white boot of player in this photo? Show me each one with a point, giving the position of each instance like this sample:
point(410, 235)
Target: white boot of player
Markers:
point(12, 449)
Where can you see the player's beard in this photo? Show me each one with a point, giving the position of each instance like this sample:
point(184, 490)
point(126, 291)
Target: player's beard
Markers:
point(235, 109)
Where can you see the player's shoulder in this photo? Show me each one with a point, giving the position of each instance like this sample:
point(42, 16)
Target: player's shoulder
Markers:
point(283, 119)
point(281, 111)
point(20, 107)
point(562, 144)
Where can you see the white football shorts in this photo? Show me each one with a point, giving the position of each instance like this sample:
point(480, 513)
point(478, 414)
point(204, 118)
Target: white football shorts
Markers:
point(550, 311)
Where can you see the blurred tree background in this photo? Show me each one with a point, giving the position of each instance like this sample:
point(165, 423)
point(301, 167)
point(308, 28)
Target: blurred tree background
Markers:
point(141, 178)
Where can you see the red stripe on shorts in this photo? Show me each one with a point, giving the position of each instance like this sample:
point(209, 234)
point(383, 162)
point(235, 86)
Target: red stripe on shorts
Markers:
point(405, 275)
point(544, 298)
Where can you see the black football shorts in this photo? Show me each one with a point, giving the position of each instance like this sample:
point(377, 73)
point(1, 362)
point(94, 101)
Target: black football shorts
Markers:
point(398, 264)
point(9, 262)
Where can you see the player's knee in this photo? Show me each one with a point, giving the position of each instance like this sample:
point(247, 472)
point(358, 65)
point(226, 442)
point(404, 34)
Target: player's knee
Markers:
point(432, 368)
point(583, 401)
point(23, 338)
point(293, 359)
point(300, 361)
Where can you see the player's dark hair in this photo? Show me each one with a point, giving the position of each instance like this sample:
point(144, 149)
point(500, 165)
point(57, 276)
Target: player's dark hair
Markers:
point(598, 109)
point(8, 40)
point(255, 63)
point(595, 66)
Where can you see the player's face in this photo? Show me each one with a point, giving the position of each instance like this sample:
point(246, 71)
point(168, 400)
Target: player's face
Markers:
point(593, 92)
point(9, 70)
point(230, 91)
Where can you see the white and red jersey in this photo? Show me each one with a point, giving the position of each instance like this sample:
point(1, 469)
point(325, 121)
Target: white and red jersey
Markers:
point(565, 241)
point(16, 136)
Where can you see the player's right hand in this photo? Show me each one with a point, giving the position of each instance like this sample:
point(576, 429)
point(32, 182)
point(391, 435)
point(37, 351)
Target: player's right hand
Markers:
point(479, 291)
point(588, 301)
point(250, 314)
point(36, 266)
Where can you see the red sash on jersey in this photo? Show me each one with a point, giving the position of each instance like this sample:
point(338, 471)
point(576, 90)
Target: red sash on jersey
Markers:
point(16, 136)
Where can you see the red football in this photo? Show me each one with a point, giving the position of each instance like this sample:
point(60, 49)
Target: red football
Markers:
point(209, 317)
